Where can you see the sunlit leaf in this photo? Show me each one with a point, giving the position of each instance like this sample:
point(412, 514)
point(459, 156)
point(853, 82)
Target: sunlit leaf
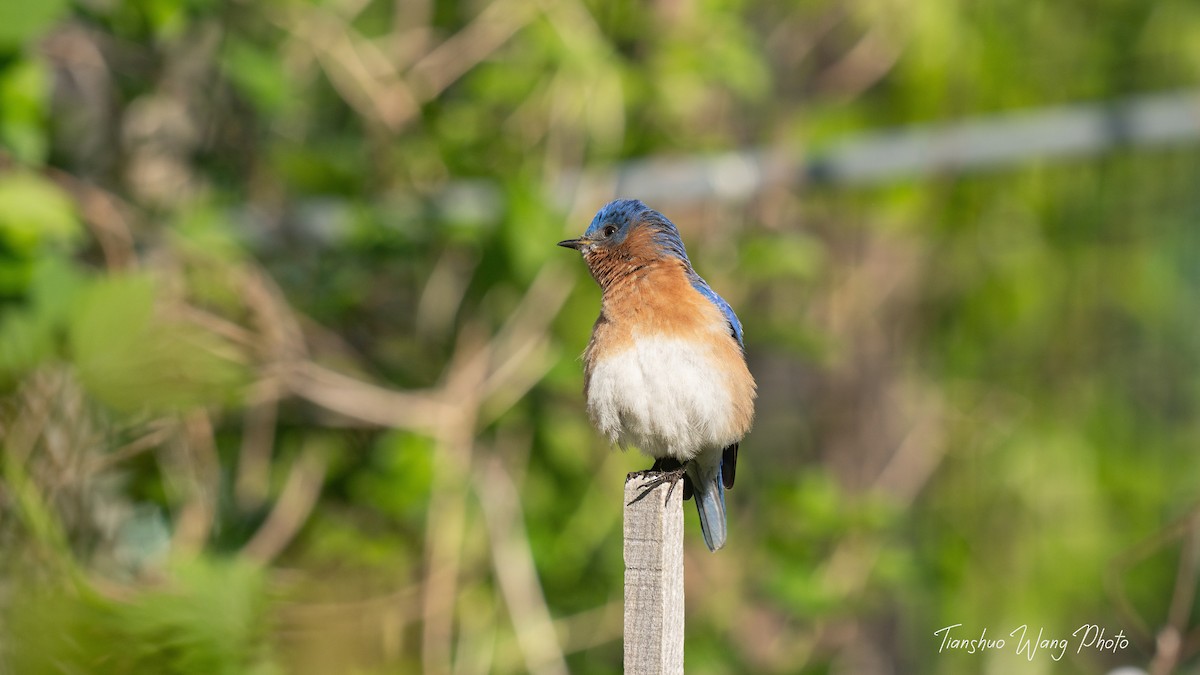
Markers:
point(131, 358)
point(24, 89)
point(258, 75)
point(35, 212)
point(22, 22)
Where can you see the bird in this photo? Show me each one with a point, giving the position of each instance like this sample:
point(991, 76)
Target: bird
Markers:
point(665, 369)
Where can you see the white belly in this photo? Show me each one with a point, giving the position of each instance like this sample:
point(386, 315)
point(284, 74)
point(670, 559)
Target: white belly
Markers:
point(664, 396)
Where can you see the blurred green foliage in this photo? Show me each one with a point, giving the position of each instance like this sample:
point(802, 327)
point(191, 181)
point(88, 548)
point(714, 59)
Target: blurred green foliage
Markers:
point(209, 621)
point(287, 354)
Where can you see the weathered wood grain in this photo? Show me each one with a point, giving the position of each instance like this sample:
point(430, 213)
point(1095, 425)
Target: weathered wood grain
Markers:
point(653, 579)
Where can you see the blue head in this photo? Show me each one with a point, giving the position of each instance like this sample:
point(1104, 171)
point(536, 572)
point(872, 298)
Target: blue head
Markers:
point(627, 235)
point(609, 233)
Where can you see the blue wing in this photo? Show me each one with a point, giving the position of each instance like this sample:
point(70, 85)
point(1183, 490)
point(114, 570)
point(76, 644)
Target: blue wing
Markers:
point(735, 326)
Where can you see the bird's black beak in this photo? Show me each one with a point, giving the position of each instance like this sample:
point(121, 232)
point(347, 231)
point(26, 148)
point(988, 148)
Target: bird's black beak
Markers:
point(573, 243)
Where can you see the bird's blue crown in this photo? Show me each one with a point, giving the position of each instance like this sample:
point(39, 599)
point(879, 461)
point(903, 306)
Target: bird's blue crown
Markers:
point(625, 214)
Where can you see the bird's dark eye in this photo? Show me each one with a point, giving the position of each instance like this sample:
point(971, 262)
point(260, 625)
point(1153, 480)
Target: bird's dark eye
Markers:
point(610, 230)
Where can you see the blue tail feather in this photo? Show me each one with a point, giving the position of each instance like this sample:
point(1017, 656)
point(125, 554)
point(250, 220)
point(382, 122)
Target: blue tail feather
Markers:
point(709, 492)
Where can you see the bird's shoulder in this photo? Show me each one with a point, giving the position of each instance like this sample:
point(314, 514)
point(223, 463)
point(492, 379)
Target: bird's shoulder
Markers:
point(702, 287)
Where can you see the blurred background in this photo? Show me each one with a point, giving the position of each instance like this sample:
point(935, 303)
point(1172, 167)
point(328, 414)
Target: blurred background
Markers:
point(289, 375)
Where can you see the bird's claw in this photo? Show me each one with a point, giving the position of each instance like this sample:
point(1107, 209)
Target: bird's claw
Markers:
point(663, 475)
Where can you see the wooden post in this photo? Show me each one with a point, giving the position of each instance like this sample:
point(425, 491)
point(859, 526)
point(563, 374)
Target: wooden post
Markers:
point(653, 579)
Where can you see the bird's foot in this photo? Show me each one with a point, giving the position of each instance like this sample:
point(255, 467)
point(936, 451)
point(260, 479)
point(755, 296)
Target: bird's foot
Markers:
point(671, 465)
point(665, 470)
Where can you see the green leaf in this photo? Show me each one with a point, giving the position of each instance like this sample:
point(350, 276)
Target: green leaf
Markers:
point(207, 617)
point(399, 477)
point(258, 74)
point(24, 343)
point(31, 334)
point(23, 22)
point(24, 90)
point(132, 359)
point(54, 284)
point(34, 213)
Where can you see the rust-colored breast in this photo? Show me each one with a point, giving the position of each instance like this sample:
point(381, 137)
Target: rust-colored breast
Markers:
point(655, 300)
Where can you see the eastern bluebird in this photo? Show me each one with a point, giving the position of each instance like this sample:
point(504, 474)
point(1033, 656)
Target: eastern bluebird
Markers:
point(665, 370)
